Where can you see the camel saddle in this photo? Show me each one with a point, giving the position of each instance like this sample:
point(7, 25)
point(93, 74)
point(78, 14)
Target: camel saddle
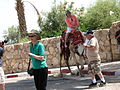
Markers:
point(76, 37)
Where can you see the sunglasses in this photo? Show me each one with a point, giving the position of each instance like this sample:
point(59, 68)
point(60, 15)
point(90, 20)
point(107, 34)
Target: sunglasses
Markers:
point(32, 36)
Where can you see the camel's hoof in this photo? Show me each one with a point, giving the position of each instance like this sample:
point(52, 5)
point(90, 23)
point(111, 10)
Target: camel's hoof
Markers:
point(82, 75)
point(61, 75)
point(77, 74)
point(72, 73)
point(82, 68)
point(57, 75)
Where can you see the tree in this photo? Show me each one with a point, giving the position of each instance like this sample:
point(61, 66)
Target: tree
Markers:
point(54, 23)
point(12, 35)
point(21, 18)
point(98, 16)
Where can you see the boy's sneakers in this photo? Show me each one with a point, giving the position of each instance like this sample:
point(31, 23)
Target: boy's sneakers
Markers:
point(102, 84)
point(92, 85)
point(97, 77)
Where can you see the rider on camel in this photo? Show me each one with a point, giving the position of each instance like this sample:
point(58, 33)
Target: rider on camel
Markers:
point(72, 24)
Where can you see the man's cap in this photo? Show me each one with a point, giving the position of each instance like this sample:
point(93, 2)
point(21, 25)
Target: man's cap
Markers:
point(68, 12)
point(89, 32)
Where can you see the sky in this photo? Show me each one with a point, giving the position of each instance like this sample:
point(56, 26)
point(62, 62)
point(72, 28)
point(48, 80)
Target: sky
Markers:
point(8, 15)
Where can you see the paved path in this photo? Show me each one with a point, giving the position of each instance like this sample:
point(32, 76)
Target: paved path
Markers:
point(110, 69)
point(66, 83)
point(22, 81)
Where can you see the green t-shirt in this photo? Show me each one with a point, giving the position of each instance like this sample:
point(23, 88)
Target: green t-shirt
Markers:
point(38, 49)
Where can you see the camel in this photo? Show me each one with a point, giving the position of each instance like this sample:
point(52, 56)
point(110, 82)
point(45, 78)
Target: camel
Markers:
point(74, 47)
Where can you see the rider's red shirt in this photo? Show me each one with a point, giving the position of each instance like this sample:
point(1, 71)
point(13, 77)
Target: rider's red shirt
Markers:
point(72, 22)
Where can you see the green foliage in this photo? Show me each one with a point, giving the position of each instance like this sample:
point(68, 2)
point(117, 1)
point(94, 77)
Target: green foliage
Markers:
point(55, 20)
point(54, 23)
point(98, 16)
point(12, 35)
point(40, 22)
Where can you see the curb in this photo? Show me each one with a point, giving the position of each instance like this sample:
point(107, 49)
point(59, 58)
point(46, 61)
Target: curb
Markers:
point(108, 73)
point(16, 75)
point(51, 71)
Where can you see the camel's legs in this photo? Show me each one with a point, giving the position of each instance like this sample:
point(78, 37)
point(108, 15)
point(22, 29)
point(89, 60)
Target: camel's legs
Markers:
point(67, 63)
point(77, 64)
point(61, 64)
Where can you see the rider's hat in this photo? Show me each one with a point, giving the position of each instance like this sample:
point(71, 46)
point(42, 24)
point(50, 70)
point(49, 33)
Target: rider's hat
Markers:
point(68, 12)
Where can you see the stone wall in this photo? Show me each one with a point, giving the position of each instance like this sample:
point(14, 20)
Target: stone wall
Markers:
point(114, 49)
point(104, 43)
point(16, 56)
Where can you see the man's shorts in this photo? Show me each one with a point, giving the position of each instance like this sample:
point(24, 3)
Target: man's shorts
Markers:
point(94, 67)
point(68, 30)
point(2, 78)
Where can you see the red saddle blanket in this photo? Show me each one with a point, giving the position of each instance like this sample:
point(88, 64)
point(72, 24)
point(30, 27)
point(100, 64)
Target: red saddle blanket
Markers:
point(76, 37)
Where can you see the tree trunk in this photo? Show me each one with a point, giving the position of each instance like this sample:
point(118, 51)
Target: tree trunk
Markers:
point(21, 18)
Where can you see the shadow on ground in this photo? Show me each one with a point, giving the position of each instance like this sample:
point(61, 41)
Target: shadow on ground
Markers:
point(58, 83)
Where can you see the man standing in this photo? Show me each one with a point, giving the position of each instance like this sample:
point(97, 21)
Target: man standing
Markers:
point(2, 79)
point(72, 24)
point(92, 49)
